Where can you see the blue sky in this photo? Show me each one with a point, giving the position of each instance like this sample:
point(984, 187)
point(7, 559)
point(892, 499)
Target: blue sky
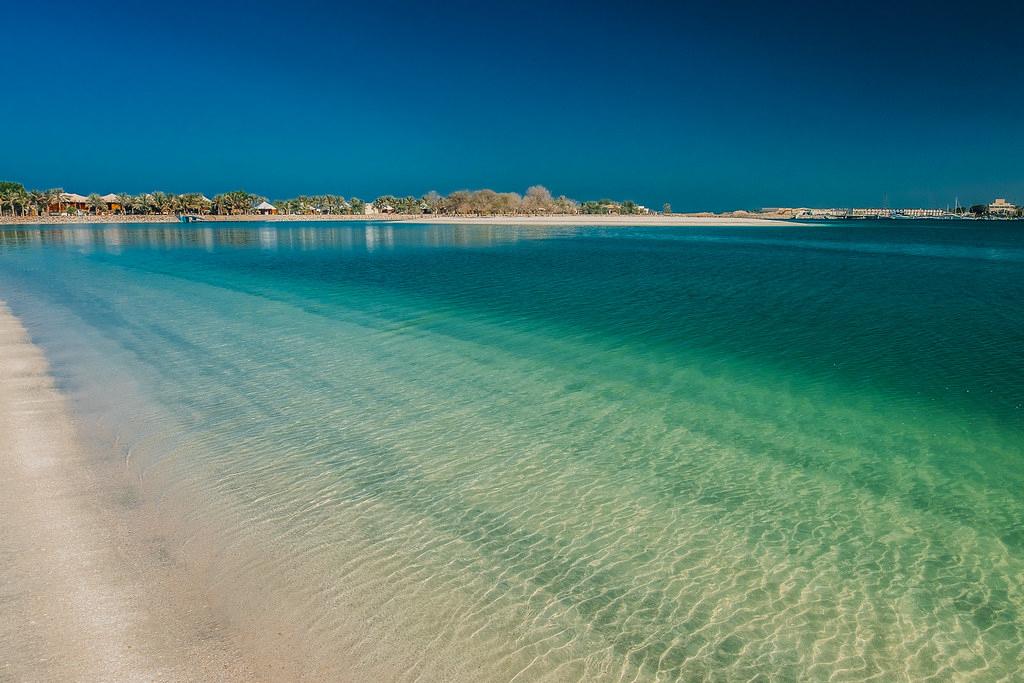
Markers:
point(705, 105)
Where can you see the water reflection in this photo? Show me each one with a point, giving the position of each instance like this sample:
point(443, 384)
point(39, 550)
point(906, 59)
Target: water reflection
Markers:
point(361, 237)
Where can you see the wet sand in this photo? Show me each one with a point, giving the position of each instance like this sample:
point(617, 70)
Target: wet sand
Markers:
point(88, 592)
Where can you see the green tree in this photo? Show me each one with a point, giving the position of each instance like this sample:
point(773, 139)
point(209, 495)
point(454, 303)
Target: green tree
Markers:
point(666, 209)
point(97, 204)
point(39, 201)
point(160, 202)
point(236, 202)
point(143, 204)
point(565, 205)
point(12, 194)
point(127, 202)
point(55, 196)
point(386, 203)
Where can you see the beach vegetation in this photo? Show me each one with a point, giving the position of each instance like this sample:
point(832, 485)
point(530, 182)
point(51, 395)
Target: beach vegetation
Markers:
point(96, 203)
point(15, 200)
point(13, 196)
point(235, 203)
point(610, 207)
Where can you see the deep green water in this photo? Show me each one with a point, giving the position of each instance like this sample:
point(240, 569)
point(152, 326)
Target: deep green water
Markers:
point(477, 453)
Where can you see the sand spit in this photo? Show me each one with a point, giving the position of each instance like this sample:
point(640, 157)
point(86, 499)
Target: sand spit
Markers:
point(567, 220)
point(599, 220)
point(86, 594)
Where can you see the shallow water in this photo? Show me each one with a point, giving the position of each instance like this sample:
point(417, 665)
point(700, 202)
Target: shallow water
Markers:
point(485, 453)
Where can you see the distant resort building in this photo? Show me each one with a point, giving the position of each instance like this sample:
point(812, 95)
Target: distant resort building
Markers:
point(69, 201)
point(837, 213)
point(1001, 207)
point(265, 208)
point(113, 202)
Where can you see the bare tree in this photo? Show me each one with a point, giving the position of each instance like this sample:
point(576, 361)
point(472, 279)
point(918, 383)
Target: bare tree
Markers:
point(537, 199)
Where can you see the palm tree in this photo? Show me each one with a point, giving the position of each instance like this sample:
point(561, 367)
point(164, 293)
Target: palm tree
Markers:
point(193, 202)
point(141, 203)
point(37, 198)
point(178, 203)
point(126, 201)
point(97, 204)
point(160, 201)
point(55, 195)
point(242, 201)
point(10, 194)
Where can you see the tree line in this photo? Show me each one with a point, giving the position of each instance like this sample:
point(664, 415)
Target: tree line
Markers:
point(15, 200)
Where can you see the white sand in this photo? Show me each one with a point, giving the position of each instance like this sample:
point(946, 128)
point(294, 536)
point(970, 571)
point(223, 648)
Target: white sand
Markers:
point(652, 220)
point(85, 593)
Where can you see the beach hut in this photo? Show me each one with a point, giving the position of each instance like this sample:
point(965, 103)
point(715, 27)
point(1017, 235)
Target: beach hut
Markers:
point(113, 202)
point(266, 209)
point(71, 202)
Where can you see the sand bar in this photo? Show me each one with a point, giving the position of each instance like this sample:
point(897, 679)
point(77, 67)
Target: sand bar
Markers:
point(566, 220)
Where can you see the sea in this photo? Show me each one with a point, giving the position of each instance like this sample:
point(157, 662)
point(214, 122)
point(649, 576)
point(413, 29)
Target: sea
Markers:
point(430, 452)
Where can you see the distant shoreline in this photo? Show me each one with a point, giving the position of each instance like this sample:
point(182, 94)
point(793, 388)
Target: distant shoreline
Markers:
point(565, 220)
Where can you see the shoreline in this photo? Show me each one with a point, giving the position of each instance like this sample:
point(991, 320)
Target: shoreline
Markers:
point(89, 589)
point(562, 220)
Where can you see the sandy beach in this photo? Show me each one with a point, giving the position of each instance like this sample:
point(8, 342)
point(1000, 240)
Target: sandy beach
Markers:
point(88, 591)
point(638, 220)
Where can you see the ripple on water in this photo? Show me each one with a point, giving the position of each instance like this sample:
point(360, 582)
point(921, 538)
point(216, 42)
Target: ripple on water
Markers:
point(440, 491)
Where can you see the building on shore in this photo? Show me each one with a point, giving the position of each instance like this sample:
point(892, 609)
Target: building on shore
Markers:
point(869, 213)
point(71, 202)
point(265, 208)
point(1001, 207)
point(113, 202)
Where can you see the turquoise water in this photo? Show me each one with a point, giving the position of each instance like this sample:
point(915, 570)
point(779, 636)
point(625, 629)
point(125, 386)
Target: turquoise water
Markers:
point(494, 453)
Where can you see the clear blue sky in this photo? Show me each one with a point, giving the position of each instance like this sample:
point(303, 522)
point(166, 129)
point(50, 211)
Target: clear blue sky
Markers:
point(706, 105)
